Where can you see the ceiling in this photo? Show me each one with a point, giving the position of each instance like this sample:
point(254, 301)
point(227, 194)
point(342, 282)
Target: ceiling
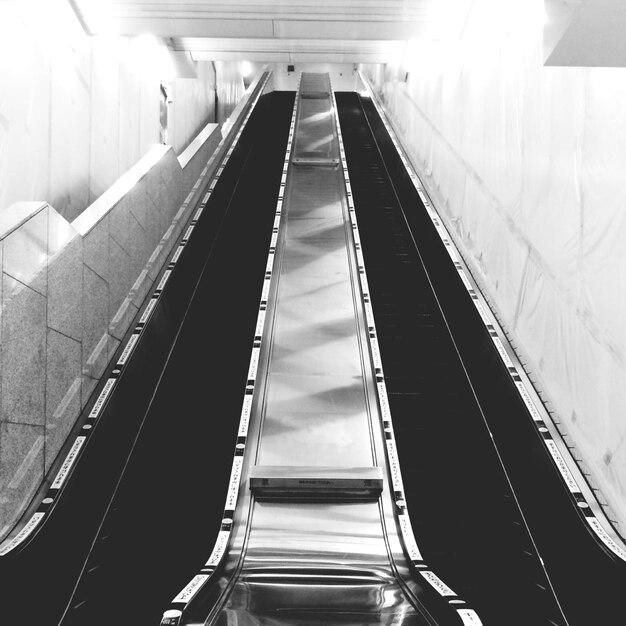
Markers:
point(357, 31)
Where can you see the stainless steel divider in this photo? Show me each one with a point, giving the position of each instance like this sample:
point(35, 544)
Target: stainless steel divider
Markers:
point(314, 429)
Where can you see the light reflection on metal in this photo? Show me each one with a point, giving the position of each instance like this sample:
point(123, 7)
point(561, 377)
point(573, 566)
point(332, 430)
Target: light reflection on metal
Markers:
point(314, 405)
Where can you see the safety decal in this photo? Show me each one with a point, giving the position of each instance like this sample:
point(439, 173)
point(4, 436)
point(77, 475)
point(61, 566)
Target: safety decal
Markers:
point(605, 537)
point(409, 538)
point(102, 398)
point(68, 463)
point(148, 311)
point(244, 420)
point(191, 589)
point(469, 617)
point(32, 523)
point(163, 280)
point(132, 342)
point(562, 466)
point(437, 583)
point(177, 254)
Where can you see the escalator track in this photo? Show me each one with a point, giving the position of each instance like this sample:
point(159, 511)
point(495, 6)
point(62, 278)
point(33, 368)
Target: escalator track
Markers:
point(465, 515)
point(583, 556)
point(159, 519)
point(141, 533)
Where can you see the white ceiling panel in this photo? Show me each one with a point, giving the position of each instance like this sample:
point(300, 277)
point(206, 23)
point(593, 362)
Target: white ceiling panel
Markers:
point(289, 50)
point(242, 24)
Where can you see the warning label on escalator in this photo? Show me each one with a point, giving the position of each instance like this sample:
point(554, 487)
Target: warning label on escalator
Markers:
point(190, 590)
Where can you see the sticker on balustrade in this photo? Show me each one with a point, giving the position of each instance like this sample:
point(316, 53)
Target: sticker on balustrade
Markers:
point(188, 233)
point(219, 548)
point(191, 589)
point(233, 485)
point(177, 254)
point(163, 280)
point(148, 311)
point(132, 342)
point(530, 405)
point(260, 323)
point(29, 527)
point(503, 353)
point(68, 463)
point(254, 364)
point(469, 617)
point(409, 538)
point(246, 411)
point(481, 312)
point(437, 583)
point(606, 538)
point(394, 465)
point(102, 398)
point(560, 463)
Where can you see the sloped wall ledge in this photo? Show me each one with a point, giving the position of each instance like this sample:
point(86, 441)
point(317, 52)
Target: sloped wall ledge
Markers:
point(68, 294)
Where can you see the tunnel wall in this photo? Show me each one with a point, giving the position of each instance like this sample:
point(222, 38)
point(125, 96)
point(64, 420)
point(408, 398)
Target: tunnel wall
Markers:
point(76, 112)
point(525, 164)
point(69, 292)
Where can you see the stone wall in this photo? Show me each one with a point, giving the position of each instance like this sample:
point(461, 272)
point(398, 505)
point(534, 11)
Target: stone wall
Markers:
point(69, 292)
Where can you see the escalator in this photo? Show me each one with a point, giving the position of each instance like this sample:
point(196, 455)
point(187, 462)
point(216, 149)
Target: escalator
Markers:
point(128, 528)
point(466, 516)
point(499, 522)
point(495, 528)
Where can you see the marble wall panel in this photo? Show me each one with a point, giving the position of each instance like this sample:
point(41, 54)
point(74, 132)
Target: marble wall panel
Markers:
point(96, 249)
point(155, 261)
point(60, 233)
point(67, 301)
point(120, 277)
point(63, 391)
point(119, 223)
point(95, 344)
point(171, 175)
point(174, 194)
point(26, 252)
point(65, 290)
point(168, 166)
point(23, 353)
point(21, 469)
point(157, 191)
point(141, 251)
point(121, 321)
point(138, 247)
point(142, 208)
point(189, 177)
